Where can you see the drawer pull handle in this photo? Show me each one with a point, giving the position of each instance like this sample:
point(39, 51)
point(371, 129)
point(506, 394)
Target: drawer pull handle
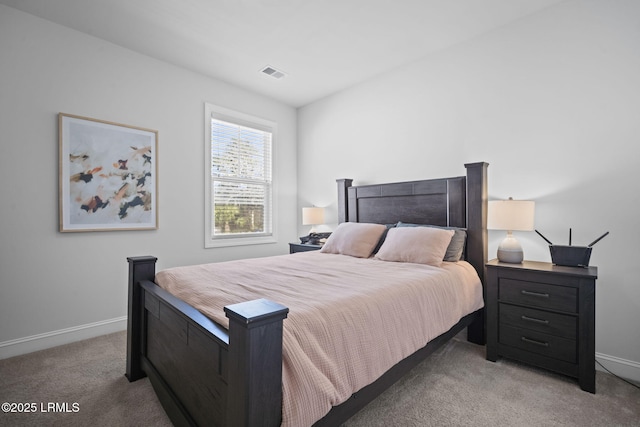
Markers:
point(530, 341)
point(533, 319)
point(535, 294)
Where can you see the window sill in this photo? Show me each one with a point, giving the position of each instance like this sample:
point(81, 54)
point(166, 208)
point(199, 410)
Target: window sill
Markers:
point(240, 241)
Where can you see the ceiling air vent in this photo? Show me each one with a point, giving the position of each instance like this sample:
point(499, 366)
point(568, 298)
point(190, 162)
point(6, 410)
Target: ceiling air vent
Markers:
point(270, 71)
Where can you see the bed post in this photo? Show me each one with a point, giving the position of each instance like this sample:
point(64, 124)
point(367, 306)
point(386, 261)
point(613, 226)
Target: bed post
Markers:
point(477, 234)
point(343, 199)
point(255, 363)
point(140, 268)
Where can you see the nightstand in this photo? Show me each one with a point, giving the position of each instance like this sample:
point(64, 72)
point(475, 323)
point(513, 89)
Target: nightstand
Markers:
point(299, 247)
point(544, 315)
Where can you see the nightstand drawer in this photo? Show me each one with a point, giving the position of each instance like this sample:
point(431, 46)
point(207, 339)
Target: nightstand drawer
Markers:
point(560, 325)
point(542, 295)
point(537, 342)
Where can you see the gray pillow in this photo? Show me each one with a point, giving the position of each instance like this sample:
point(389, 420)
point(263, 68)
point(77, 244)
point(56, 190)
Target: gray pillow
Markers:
point(455, 248)
point(384, 235)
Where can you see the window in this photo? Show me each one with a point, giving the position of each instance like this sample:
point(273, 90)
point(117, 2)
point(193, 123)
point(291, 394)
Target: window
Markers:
point(239, 188)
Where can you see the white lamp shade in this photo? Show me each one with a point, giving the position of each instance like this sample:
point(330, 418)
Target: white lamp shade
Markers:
point(511, 215)
point(312, 216)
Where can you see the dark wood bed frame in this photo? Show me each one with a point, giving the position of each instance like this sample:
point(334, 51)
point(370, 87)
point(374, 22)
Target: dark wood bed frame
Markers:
point(204, 374)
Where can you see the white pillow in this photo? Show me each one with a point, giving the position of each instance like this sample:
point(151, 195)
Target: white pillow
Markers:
point(420, 245)
point(356, 239)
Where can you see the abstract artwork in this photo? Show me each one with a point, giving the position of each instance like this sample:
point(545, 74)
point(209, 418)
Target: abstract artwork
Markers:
point(108, 175)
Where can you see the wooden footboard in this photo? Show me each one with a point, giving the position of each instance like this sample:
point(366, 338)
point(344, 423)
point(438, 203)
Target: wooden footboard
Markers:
point(190, 362)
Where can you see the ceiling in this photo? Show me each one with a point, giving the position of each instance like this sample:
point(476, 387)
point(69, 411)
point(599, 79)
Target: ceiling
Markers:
point(323, 46)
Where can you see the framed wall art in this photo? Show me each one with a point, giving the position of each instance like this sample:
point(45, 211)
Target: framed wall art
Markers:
point(108, 175)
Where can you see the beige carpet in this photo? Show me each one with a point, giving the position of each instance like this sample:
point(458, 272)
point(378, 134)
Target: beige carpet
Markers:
point(456, 386)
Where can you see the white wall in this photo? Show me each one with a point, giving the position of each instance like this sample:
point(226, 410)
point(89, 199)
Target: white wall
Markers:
point(552, 102)
point(53, 285)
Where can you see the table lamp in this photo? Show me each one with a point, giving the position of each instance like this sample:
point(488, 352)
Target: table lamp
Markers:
point(312, 216)
point(511, 215)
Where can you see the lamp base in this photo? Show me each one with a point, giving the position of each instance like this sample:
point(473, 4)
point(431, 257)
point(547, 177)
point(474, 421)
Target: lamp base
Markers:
point(510, 257)
point(510, 250)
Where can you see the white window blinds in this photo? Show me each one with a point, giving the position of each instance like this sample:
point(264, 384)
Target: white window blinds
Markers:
point(241, 179)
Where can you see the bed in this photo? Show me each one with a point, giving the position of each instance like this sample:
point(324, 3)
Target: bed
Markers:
point(230, 372)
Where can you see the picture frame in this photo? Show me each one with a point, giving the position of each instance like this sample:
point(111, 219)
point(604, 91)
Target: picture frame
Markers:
point(108, 175)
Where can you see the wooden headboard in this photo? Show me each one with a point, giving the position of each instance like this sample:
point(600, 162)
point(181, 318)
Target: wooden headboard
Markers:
point(459, 201)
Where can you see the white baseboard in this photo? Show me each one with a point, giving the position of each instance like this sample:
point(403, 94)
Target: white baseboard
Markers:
point(627, 369)
point(63, 336)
